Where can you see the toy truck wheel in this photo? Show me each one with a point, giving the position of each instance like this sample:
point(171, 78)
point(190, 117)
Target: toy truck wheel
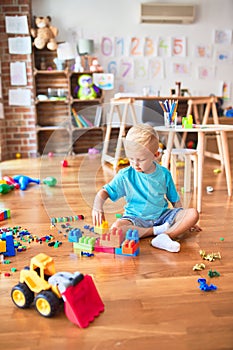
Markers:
point(22, 296)
point(47, 303)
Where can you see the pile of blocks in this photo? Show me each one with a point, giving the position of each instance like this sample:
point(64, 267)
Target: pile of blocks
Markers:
point(112, 242)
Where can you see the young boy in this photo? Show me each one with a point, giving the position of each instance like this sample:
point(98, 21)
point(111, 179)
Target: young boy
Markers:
point(149, 192)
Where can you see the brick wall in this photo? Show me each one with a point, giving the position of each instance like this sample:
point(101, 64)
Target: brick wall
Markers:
point(17, 130)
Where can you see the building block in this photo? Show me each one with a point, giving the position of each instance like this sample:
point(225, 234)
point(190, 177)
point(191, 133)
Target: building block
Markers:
point(118, 251)
point(5, 214)
point(2, 246)
point(85, 244)
point(74, 235)
point(112, 239)
point(99, 248)
point(132, 235)
point(129, 247)
point(103, 228)
point(10, 249)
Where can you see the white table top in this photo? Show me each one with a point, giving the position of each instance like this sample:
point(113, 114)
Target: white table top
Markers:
point(196, 128)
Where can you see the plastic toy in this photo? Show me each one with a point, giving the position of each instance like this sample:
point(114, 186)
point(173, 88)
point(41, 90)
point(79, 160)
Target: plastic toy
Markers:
point(210, 257)
point(102, 228)
point(5, 214)
point(86, 90)
point(24, 181)
point(7, 237)
point(50, 181)
point(66, 218)
point(214, 273)
point(204, 286)
point(85, 244)
point(95, 66)
point(5, 188)
point(10, 181)
point(48, 290)
point(44, 34)
point(64, 163)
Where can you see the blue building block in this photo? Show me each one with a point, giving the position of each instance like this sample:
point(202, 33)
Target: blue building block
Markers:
point(10, 249)
point(74, 235)
point(132, 235)
point(118, 251)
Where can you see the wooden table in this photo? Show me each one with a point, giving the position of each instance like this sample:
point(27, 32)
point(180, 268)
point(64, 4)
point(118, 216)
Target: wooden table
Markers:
point(201, 131)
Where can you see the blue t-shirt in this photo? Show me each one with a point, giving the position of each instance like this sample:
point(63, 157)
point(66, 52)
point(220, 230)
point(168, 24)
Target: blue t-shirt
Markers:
point(146, 195)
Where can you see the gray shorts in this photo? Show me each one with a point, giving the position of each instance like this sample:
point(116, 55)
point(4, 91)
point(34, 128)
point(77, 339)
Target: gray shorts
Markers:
point(168, 216)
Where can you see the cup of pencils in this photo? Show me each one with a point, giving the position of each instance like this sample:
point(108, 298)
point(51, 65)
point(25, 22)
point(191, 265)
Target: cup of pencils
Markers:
point(169, 108)
point(170, 119)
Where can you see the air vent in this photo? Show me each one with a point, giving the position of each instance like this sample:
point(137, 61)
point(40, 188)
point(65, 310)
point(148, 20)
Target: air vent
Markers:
point(152, 12)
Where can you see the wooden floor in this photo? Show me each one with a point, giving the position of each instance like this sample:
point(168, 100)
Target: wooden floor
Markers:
point(152, 301)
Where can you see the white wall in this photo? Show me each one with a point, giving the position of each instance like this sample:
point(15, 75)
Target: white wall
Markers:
point(113, 18)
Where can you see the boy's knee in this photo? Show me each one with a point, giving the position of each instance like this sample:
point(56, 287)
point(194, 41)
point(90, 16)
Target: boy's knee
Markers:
point(194, 213)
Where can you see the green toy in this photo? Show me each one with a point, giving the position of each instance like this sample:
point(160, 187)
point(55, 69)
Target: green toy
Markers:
point(5, 188)
point(50, 181)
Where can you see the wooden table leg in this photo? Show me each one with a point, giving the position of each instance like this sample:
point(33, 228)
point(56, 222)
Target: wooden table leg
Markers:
point(227, 163)
point(200, 149)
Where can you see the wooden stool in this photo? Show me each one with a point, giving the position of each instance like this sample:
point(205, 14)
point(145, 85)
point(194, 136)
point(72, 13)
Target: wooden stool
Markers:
point(189, 156)
point(210, 105)
point(116, 105)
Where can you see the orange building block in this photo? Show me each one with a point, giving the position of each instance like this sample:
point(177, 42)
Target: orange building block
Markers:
point(129, 247)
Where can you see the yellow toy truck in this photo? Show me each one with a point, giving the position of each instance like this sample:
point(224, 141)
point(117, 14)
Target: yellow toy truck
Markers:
point(47, 289)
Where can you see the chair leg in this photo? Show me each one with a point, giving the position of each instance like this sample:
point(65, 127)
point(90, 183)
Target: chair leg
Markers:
point(173, 168)
point(187, 173)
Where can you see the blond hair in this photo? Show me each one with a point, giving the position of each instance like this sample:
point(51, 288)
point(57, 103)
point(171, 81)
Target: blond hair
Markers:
point(142, 135)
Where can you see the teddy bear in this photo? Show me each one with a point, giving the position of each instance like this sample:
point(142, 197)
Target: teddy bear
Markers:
point(44, 34)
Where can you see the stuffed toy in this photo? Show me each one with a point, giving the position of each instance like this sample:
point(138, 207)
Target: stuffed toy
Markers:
point(86, 90)
point(44, 34)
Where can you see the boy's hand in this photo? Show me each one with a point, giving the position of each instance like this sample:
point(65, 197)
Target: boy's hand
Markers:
point(97, 212)
point(195, 228)
point(97, 217)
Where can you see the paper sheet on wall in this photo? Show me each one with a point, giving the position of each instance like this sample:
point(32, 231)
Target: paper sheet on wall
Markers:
point(1, 111)
point(20, 45)
point(18, 73)
point(19, 97)
point(16, 25)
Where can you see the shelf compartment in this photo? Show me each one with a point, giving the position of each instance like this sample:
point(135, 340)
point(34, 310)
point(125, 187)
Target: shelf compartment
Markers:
point(56, 141)
point(53, 113)
point(85, 138)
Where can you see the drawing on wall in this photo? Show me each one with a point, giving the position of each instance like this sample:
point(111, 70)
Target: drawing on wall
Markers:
point(206, 72)
point(156, 68)
point(140, 68)
point(164, 47)
point(16, 25)
point(223, 36)
point(203, 51)
point(223, 55)
point(181, 68)
point(18, 73)
point(150, 47)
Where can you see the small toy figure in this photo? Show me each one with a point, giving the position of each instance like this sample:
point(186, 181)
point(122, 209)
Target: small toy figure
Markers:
point(78, 66)
point(95, 66)
point(86, 90)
